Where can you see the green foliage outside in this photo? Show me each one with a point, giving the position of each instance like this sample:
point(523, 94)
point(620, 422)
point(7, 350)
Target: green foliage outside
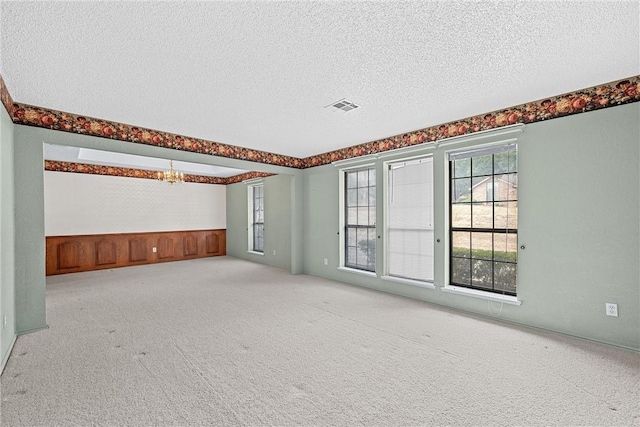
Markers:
point(485, 254)
point(500, 277)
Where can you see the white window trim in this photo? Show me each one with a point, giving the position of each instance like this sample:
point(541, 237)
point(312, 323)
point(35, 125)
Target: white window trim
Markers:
point(493, 137)
point(476, 293)
point(250, 185)
point(341, 215)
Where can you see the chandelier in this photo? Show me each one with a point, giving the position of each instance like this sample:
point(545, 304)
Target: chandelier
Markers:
point(171, 176)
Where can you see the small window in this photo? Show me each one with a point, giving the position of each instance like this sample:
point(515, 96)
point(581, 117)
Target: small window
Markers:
point(256, 218)
point(484, 219)
point(360, 219)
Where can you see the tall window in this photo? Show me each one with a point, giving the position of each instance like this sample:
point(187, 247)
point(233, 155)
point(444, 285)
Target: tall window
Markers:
point(360, 219)
point(484, 219)
point(256, 218)
point(410, 219)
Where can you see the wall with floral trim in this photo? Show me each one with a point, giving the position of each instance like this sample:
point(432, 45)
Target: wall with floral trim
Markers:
point(579, 192)
point(73, 167)
point(602, 96)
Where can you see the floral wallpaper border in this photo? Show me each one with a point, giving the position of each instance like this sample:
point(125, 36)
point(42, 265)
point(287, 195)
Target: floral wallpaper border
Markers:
point(602, 96)
point(58, 166)
point(5, 97)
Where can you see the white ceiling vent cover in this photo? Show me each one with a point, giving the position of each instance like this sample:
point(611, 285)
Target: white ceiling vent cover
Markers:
point(343, 105)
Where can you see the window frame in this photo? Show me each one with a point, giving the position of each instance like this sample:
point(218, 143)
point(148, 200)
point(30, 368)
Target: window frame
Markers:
point(481, 150)
point(387, 217)
point(345, 265)
point(251, 238)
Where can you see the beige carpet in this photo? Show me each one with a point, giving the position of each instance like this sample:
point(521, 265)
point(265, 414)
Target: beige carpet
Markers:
point(221, 341)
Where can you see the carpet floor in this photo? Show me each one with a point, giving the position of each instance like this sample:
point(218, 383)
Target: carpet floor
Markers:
point(221, 341)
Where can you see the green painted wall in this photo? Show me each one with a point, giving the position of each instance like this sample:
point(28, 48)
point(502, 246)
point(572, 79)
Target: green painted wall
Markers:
point(28, 177)
point(29, 229)
point(7, 234)
point(277, 221)
point(579, 218)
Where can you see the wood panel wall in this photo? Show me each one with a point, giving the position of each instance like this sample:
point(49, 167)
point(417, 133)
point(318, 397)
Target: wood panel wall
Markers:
point(71, 254)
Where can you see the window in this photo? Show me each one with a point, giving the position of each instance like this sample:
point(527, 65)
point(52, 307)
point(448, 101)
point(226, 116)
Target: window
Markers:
point(484, 219)
point(410, 219)
point(360, 219)
point(256, 218)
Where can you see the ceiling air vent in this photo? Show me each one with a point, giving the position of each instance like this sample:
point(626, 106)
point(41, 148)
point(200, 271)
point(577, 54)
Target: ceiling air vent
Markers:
point(343, 105)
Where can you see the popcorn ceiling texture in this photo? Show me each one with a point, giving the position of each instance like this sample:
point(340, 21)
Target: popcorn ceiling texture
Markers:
point(257, 74)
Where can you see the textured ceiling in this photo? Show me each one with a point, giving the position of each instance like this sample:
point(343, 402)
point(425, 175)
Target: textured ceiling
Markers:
point(260, 74)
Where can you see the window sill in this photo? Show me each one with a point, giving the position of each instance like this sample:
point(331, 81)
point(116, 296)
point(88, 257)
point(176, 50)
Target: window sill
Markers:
point(256, 253)
point(356, 271)
point(507, 299)
point(411, 282)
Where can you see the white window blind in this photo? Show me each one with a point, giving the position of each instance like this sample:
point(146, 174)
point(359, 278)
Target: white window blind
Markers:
point(410, 222)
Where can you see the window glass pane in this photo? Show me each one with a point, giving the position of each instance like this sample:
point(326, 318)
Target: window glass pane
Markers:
point(352, 216)
point(508, 187)
point(506, 215)
point(372, 196)
point(372, 177)
point(482, 165)
point(462, 168)
point(461, 215)
point(479, 188)
point(501, 162)
point(505, 277)
point(505, 162)
point(372, 216)
point(461, 190)
point(362, 237)
point(352, 197)
point(461, 271)
point(351, 237)
point(363, 196)
point(505, 247)
point(363, 178)
point(482, 273)
point(482, 245)
point(461, 244)
point(482, 215)
point(363, 216)
point(351, 256)
point(352, 179)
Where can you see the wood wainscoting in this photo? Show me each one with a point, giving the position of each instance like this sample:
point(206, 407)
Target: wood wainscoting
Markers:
point(71, 254)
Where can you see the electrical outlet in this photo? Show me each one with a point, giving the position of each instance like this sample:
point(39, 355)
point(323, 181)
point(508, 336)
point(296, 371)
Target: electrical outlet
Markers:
point(326, 261)
point(612, 309)
point(4, 320)
point(274, 251)
point(155, 249)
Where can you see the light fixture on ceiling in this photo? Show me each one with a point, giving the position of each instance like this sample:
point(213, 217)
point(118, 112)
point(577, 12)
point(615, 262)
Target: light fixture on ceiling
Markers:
point(344, 105)
point(171, 176)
